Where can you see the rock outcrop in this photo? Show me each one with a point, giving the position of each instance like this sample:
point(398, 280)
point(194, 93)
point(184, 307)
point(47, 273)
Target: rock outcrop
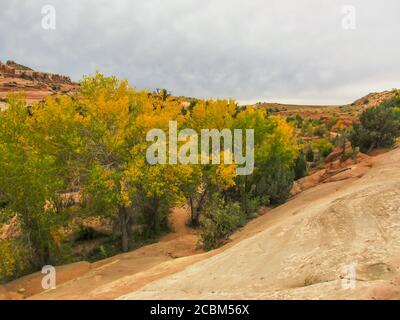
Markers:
point(36, 85)
point(336, 168)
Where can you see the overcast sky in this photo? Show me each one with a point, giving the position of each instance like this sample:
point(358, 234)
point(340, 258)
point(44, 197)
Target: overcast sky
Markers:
point(258, 50)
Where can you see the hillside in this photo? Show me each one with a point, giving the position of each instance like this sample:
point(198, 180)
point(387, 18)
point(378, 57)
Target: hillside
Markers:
point(345, 114)
point(37, 85)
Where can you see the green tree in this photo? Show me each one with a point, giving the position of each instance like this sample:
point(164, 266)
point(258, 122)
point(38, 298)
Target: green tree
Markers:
point(275, 153)
point(30, 178)
point(323, 146)
point(219, 221)
point(300, 166)
point(309, 154)
point(378, 127)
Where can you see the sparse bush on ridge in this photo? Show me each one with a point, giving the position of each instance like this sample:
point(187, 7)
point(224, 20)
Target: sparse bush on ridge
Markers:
point(378, 126)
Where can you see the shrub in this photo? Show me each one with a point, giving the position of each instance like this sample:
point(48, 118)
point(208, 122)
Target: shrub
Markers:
point(309, 154)
point(250, 203)
point(308, 129)
point(300, 166)
point(379, 127)
point(323, 146)
point(256, 202)
point(320, 131)
point(277, 182)
point(316, 122)
point(290, 119)
point(14, 259)
point(220, 222)
point(332, 121)
point(85, 233)
point(299, 120)
point(104, 250)
point(350, 154)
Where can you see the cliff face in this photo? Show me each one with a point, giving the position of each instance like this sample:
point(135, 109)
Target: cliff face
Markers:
point(36, 85)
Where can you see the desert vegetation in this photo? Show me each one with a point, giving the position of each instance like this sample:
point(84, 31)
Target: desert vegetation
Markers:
point(378, 127)
point(81, 156)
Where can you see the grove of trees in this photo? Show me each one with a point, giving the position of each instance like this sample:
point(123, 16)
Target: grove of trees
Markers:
point(94, 141)
point(378, 127)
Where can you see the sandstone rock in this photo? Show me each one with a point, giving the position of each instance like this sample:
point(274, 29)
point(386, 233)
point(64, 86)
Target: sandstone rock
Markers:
point(32, 284)
point(301, 255)
point(10, 230)
point(36, 85)
point(334, 155)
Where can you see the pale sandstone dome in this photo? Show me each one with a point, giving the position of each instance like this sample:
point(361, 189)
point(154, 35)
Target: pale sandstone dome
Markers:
point(301, 256)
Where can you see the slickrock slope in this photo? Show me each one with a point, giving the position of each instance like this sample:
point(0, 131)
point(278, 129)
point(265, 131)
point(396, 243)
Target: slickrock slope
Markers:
point(36, 85)
point(300, 255)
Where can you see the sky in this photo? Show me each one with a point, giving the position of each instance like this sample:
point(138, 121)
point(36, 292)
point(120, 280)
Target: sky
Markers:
point(307, 51)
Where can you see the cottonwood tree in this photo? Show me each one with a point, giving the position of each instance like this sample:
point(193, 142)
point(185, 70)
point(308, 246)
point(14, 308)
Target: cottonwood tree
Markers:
point(275, 151)
point(92, 135)
point(99, 136)
point(30, 178)
point(209, 179)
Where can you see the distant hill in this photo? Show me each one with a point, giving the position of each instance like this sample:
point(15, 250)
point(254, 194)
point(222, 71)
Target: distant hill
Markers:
point(37, 85)
point(374, 99)
point(345, 113)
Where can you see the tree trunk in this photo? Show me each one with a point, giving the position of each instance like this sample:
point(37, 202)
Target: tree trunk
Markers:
point(196, 209)
point(123, 220)
point(156, 215)
point(192, 212)
point(371, 147)
point(245, 195)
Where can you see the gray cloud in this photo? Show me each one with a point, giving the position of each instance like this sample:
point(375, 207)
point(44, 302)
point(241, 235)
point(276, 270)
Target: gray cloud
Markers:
point(294, 51)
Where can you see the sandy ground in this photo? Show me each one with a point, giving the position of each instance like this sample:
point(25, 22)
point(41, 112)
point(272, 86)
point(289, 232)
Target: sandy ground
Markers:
point(302, 247)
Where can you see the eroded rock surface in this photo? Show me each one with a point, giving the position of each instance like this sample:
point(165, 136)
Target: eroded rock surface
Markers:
point(303, 255)
point(36, 85)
